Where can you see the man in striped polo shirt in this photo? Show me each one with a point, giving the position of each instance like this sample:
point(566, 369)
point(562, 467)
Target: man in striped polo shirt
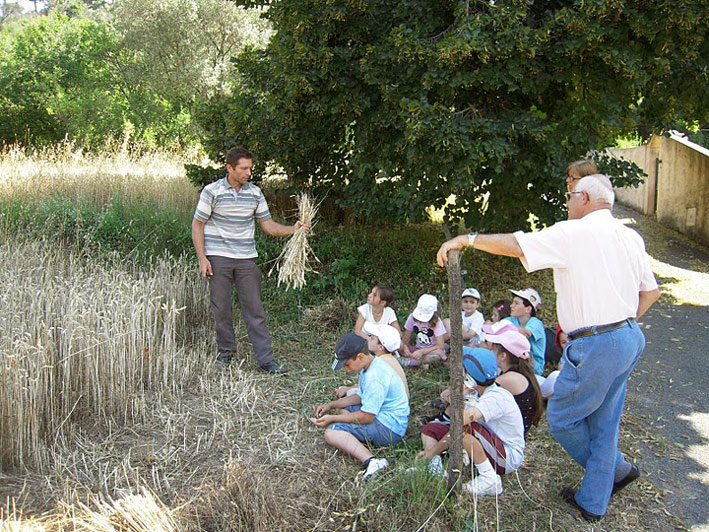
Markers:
point(223, 236)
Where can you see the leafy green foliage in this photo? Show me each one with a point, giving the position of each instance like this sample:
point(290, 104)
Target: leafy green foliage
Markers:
point(395, 106)
point(201, 176)
point(115, 75)
point(62, 77)
point(130, 228)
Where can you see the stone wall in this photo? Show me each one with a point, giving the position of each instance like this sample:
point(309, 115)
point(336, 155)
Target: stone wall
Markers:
point(677, 187)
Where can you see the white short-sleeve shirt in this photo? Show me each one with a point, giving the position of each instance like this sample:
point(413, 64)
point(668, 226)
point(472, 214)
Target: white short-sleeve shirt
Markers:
point(388, 316)
point(502, 415)
point(599, 264)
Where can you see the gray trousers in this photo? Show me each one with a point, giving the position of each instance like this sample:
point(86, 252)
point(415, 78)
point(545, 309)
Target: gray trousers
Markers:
point(245, 275)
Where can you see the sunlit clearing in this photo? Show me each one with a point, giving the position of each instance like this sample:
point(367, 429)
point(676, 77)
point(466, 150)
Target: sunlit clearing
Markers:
point(699, 453)
point(687, 287)
point(436, 215)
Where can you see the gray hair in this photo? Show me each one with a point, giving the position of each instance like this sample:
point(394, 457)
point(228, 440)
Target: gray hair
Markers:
point(598, 187)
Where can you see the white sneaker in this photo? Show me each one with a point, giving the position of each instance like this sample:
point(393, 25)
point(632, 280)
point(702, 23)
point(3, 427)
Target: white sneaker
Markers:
point(435, 466)
point(375, 466)
point(484, 485)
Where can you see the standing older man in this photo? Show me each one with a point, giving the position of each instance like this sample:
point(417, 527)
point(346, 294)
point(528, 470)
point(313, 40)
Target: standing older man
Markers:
point(223, 236)
point(603, 282)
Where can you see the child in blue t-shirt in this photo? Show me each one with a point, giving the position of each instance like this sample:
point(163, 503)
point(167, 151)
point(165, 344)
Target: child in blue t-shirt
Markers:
point(523, 312)
point(378, 413)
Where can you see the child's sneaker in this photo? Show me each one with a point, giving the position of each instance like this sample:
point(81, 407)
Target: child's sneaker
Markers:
point(435, 466)
point(408, 362)
point(484, 485)
point(374, 467)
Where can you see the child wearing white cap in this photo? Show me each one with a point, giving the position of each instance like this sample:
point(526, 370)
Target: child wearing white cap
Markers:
point(429, 340)
point(523, 309)
point(473, 319)
point(384, 342)
point(377, 414)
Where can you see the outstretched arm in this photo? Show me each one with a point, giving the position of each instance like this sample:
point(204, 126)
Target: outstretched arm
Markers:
point(499, 244)
point(273, 228)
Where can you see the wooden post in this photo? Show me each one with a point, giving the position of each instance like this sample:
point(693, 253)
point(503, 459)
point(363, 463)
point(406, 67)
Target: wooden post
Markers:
point(455, 366)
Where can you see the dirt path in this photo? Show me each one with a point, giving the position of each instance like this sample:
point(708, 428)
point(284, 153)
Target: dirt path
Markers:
point(667, 391)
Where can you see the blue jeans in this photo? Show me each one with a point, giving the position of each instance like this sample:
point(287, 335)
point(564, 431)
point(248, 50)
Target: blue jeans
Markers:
point(584, 412)
point(374, 432)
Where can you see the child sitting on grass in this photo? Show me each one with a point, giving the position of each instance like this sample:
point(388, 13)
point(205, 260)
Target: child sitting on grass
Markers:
point(378, 413)
point(429, 340)
point(511, 349)
point(493, 431)
point(383, 342)
point(472, 318)
point(523, 312)
point(377, 310)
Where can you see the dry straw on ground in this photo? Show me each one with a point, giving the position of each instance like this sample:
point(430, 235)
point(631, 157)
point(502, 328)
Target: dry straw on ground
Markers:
point(297, 255)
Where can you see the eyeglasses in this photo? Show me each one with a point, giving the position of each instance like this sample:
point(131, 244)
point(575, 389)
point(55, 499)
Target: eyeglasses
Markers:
point(568, 176)
point(569, 194)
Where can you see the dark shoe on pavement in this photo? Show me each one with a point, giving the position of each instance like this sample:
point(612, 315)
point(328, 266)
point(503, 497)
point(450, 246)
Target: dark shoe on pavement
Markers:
point(274, 368)
point(569, 495)
point(630, 477)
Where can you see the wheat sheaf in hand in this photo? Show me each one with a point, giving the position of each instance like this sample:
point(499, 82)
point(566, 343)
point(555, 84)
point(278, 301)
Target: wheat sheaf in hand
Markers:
point(297, 255)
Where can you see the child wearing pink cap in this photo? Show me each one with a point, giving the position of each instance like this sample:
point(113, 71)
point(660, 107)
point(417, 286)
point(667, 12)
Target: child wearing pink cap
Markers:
point(512, 350)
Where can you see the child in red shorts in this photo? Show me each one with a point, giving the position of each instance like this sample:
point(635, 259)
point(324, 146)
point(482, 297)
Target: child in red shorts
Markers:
point(494, 432)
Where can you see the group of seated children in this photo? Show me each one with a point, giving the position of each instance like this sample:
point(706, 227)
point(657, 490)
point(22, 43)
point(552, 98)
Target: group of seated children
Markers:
point(503, 398)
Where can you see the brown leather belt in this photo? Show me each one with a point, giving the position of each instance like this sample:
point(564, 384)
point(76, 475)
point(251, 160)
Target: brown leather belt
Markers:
point(599, 329)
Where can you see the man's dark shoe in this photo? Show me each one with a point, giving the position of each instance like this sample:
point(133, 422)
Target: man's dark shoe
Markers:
point(274, 368)
point(630, 477)
point(223, 360)
point(569, 495)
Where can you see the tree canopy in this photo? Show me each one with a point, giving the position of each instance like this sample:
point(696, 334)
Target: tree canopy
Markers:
point(395, 106)
point(91, 73)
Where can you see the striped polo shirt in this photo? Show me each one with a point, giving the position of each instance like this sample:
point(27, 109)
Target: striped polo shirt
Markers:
point(229, 218)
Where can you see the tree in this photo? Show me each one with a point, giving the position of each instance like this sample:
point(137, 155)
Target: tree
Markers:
point(54, 76)
point(62, 76)
point(395, 106)
point(184, 46)
point(9, 9)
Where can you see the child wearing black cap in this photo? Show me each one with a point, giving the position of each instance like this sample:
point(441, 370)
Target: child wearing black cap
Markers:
point(494, 432)
point(378, 413)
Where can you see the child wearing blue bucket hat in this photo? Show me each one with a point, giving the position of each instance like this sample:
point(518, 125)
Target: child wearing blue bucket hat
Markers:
point(493, 431)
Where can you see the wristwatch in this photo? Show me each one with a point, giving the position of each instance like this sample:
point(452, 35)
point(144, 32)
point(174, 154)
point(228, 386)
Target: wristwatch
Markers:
point(471, 238)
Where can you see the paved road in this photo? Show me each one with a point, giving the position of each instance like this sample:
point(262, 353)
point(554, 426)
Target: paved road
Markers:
point(668, 390)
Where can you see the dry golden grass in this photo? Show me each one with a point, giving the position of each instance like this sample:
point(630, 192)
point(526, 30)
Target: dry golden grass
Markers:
point(80, 339)
point(297, 255)
point(33, 175)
